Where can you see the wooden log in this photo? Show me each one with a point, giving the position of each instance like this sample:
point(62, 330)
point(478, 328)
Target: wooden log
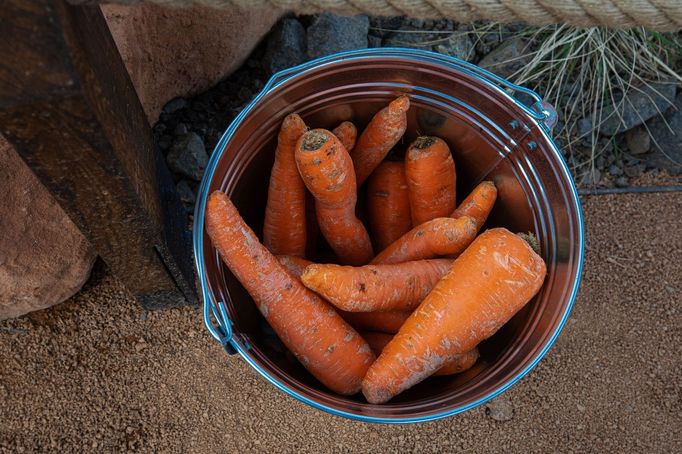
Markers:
point(68, 107)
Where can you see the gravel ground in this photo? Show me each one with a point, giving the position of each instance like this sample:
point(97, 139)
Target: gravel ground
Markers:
point(98, 374)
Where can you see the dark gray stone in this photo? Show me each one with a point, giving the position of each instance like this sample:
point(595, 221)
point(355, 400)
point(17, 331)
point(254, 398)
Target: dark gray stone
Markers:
point(634, 170)
point(621, 182)
point(180, 129)
point(174, 105)
point(185, 192)
point(638, 106)
point(638, 140)
point(373, 41)
point(507, 58)
point(188, 156)
point(500, 409)
point(458, 45)
point(584, 126)
point(591, 178)
point(286, 46)
point(165, 142)
point(384, 26)
point(330, 34)
point(615, 170)
point(666, 143)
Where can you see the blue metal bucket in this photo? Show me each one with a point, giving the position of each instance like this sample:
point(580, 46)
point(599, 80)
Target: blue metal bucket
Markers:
point(492, 134)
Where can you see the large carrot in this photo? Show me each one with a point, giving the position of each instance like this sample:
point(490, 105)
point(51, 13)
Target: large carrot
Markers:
point(440, 236)
point(388, 204)
point(284, 227)
point(370, 288)
point(459, 363)
point(347, 134)
point(489, 283)
point(431, 178)
point(328, 173)
point(478, 204)
point(384, 322)
point(380, 135)
point(321, 340)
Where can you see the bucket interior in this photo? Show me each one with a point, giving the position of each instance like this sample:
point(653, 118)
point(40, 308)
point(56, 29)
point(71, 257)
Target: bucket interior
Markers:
point(476, 120)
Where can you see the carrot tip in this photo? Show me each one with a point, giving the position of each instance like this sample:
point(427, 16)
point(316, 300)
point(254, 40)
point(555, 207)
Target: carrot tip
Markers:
point(401, 103)
point(424, 142)
point(314, 140)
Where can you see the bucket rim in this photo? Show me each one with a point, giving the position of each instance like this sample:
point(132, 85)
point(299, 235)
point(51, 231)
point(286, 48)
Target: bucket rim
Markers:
point(223, 333)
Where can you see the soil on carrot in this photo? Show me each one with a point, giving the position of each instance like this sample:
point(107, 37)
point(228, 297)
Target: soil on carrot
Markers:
point(424, 142)
point(313, 141)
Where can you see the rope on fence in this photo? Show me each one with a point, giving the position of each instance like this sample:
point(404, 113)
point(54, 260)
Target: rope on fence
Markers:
point(659, 15)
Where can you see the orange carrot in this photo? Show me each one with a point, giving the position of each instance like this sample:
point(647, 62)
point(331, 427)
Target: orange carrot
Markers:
point(489, 283)
point(371, 288)
point(431, 178)
point(284, 227)
point(328, 173)
point(459, 363)
point(478, 204)
point(380, 135)
point(389, 205)
point(319, 338)
point(385, 322)
point(346, 133)
point(440, 236)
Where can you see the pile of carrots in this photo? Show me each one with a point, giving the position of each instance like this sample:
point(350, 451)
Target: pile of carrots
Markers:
point(412, 296)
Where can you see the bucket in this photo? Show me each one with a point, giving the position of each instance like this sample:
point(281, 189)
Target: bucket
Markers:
point(492, 135)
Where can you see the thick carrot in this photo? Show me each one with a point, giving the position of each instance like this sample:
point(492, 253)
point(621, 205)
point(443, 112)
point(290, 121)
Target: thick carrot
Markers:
point(371, 288)
point(347, 133)
point(328, 173)
point(431, 179)
point(384, 322)
point(489, 283)
point(389, 205)
point(284, 227)
point(440, 236)
point(380, 135)
point(458, 363)
point(478, 204)
point(321, 340)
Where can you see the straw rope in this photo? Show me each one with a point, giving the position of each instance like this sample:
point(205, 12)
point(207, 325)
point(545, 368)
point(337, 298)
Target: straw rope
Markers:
point(660, 15)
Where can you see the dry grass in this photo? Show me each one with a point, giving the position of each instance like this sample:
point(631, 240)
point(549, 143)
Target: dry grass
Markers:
point(585, 73)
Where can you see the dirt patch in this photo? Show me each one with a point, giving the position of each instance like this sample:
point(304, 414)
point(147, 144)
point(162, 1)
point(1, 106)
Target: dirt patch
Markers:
point(100, 374)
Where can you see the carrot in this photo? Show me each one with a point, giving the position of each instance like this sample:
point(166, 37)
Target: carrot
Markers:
point(389, 206)
point(385, 322)
point(489, 283)
point(374, 288)
point(312, 228)
point(284, 227)
point(319, 338)
point(478, 204)
point(347, 134)
point(431, 178)
point(440, 236)
point(328, 173)
point(380, 135)
point(459, 363)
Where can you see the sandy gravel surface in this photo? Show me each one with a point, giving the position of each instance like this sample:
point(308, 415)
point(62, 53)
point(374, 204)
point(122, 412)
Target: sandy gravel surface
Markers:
point(99, 375)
